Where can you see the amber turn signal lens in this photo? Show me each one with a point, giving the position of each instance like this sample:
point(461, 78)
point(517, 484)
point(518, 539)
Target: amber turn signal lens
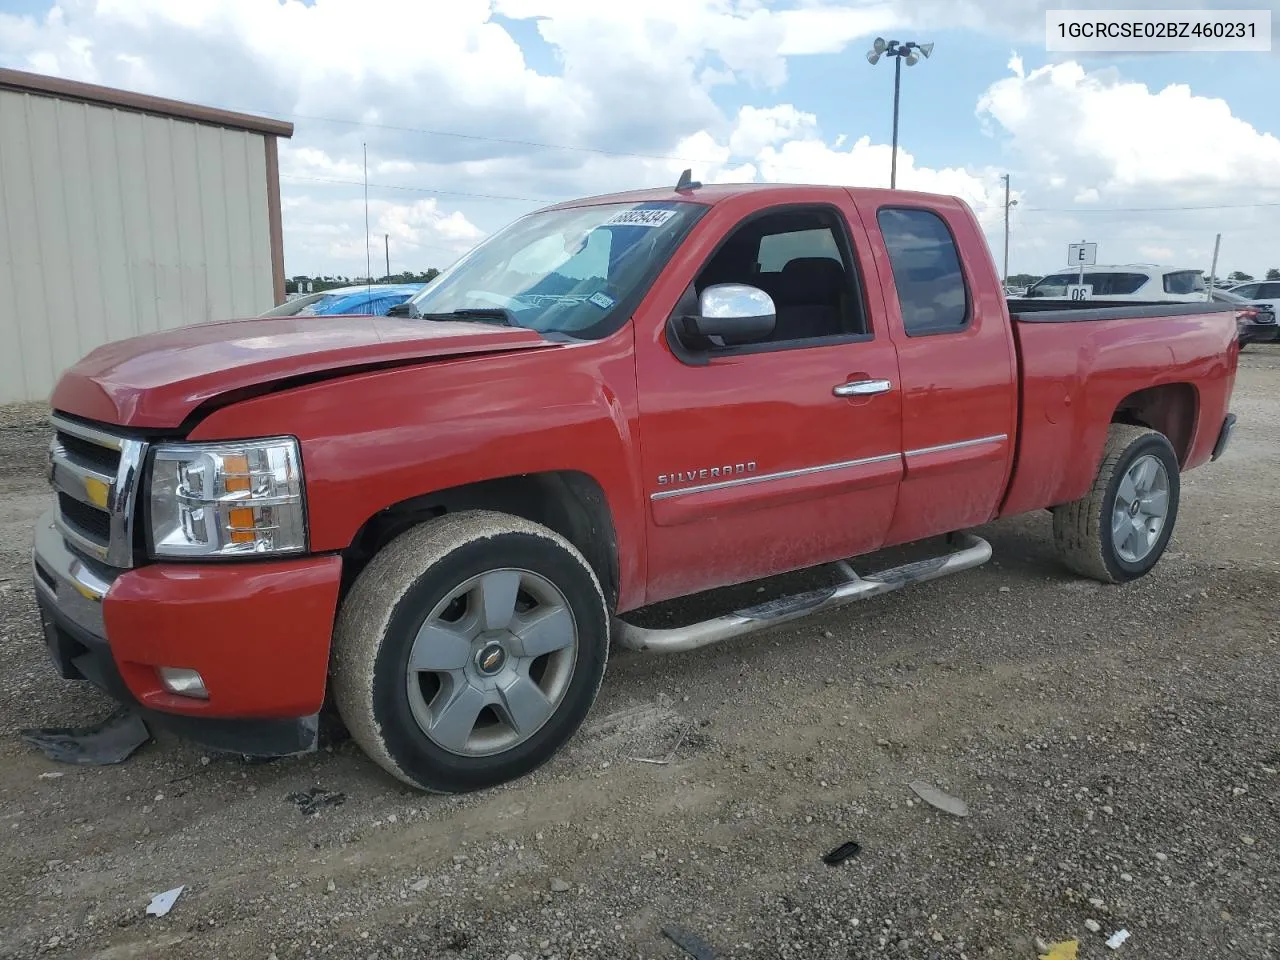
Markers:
point(241, 525)
point(236, 471)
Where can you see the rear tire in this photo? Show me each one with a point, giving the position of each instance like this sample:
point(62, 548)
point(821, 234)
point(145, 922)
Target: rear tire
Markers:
point(1119, 530)
point(469, 651)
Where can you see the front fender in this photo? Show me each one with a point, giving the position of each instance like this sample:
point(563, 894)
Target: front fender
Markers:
point(374, 439)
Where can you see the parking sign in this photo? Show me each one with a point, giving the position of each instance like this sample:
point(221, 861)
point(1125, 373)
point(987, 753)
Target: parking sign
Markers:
point(1082, 254)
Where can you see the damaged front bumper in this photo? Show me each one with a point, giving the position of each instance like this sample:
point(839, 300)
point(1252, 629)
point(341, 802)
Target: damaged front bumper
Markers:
point(115, 629)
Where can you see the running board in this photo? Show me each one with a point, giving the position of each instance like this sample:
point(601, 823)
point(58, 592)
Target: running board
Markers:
point(973, 552)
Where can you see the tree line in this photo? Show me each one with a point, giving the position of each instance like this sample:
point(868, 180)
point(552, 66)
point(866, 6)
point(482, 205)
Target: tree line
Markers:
point(1239, 276)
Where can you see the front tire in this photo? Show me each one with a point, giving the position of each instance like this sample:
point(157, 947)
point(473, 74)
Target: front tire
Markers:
point(1119, 530)
point(469, 651)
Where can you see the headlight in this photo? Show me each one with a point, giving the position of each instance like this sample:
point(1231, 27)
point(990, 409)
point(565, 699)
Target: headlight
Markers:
point(227, 499)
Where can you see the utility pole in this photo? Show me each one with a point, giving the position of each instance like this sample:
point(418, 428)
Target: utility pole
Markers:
point(367, 265)
point(1005, 279)
point(1008, 204)
point(1213, 269)
point(386, 246)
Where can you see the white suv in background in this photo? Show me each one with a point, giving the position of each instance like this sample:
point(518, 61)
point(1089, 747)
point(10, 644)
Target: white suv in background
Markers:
point(1261, 292)
point(1143, 282)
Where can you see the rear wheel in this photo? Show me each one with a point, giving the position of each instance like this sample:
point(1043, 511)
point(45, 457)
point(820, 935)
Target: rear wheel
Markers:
point(469, 650)
point(1120, 529)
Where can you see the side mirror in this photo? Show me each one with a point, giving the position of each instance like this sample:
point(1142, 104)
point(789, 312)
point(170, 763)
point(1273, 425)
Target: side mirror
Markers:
point(733, 313)
point(399, 310)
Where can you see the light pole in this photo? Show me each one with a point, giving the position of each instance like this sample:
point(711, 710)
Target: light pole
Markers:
point(1007, 204)
point(911, 52)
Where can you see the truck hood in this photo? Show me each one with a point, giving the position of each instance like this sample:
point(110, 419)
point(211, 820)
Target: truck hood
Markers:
point(158, 379)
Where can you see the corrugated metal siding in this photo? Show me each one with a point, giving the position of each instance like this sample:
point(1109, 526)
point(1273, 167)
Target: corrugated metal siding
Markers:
point(115, 223)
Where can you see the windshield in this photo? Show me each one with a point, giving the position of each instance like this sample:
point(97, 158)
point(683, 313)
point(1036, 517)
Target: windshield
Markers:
point(577, 271)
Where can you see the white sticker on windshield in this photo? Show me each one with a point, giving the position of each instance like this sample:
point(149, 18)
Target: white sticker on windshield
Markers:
point(602, 300)
point(642, 217)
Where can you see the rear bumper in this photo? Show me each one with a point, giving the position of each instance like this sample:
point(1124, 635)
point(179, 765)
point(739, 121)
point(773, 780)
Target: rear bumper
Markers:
point(258, 633)
point(1258, 333)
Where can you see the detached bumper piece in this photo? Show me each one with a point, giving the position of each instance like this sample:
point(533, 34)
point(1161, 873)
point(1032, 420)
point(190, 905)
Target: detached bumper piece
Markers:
point(1224, 436)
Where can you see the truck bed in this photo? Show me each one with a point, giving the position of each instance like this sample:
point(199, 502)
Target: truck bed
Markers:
point(1172, 362)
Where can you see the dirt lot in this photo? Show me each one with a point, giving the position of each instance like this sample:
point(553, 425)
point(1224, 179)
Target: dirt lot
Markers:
point(1117, 746)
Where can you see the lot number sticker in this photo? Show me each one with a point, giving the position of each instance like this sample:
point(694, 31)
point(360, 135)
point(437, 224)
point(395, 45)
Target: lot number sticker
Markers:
point(1080, 291)
point(641, 218)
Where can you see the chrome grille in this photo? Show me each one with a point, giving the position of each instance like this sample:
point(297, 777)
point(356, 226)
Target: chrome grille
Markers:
point(95, 473)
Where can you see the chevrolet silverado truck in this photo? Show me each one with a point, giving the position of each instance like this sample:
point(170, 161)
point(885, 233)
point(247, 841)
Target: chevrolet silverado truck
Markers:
point(438, 522)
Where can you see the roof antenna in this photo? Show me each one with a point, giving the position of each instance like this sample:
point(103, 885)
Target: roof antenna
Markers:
point(687, 182)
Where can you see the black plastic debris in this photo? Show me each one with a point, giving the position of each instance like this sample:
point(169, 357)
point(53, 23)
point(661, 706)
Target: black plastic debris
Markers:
point(693, 945)
point(315, 799)
point(113, 740)
point(842, 853)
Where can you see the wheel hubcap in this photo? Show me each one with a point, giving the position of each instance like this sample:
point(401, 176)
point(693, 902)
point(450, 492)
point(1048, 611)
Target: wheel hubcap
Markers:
point(491, 659)
point(1141, 508)
point(492, 662)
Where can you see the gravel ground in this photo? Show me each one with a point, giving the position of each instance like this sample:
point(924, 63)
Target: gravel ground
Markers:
point(1116, 746)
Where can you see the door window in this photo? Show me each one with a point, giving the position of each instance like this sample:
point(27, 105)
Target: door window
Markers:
point(802, 258)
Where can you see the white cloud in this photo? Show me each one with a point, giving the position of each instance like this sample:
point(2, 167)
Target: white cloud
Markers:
point(829, 28)
point(1099, 141)
point(1126, 135)
point(758, 128)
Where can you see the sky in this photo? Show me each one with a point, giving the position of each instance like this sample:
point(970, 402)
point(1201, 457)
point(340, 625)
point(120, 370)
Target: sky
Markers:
point(475, 112)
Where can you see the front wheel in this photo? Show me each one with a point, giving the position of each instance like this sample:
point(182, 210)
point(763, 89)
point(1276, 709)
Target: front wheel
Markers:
point(1119, 530)
point(469, 651)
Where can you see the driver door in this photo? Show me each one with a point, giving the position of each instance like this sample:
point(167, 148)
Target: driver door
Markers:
point(785, 453)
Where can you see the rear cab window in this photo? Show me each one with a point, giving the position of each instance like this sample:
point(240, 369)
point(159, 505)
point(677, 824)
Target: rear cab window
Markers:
point(778, 249)
point(1184, 282)
point(932, 293)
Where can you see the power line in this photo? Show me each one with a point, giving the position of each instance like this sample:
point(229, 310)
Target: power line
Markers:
point(504, 140)
point(1211, 206)
point(508, 197)
point(482, 138)
point(475, 137)
point(392, 186)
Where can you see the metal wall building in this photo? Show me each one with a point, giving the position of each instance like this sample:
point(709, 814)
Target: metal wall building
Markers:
point(123, 214)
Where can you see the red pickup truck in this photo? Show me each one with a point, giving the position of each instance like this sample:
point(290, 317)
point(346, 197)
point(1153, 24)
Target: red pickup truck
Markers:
point(439, 521)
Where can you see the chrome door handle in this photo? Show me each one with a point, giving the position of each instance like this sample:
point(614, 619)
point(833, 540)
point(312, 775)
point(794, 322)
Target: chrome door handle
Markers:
point(861, 388)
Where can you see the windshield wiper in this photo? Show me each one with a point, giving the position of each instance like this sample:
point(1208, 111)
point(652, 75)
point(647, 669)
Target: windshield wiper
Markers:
point(498, 314)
